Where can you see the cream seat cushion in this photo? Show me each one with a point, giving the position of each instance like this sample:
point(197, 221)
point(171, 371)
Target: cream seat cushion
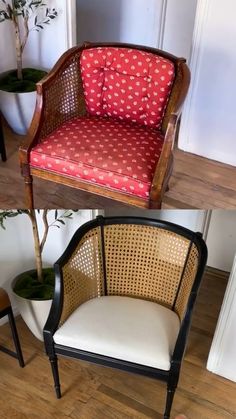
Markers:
point(126, 328)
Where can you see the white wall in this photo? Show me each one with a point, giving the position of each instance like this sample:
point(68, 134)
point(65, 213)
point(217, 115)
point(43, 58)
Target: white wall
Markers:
point(16, 244)
point(45, 47)
point(221, 239)
point(165, 24)
point(192, 219)
point(208, 124)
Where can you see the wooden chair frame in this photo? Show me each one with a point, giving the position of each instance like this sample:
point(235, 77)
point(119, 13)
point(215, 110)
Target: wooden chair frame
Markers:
point(44, 112)
point(55, 317)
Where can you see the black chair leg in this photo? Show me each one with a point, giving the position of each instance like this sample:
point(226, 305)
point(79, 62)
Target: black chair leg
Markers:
point(169, 401)
point(2, 144)
point(55, 373)
point(15, 338)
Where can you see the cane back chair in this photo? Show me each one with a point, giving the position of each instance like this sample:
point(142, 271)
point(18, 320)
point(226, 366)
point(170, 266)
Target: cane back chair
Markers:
point(105, 122)
point(6, 310)
point(124, 293)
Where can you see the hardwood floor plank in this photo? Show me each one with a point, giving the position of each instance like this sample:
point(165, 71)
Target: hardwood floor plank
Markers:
point(136, 407)
point(196, 183)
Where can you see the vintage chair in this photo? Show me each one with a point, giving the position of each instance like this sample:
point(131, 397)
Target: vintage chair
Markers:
point(6, 310)
point(105, 122)
point(124, 294)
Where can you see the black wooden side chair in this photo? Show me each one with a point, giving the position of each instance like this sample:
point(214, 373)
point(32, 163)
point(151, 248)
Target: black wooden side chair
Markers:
point(6, 310)
point(124, 294)
point(2, 143)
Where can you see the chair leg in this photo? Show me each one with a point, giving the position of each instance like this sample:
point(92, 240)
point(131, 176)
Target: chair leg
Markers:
point(16, 338)
point(2, 144)
point(54, 365)
point(169, 401)
point(155, 204)
point(29, 199)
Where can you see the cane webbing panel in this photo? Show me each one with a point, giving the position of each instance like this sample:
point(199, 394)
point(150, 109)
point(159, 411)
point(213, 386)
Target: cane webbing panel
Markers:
point(83, 273)
point(63, 96)
point(145, 262)
point(187, 281)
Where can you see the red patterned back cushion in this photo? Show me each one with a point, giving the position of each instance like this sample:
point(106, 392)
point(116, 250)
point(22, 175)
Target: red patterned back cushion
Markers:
point(127, 84)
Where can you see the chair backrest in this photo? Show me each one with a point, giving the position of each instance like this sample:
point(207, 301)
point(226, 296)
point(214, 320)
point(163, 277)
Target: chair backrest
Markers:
point(131, 256)
point(126, 83)
point(147, 95)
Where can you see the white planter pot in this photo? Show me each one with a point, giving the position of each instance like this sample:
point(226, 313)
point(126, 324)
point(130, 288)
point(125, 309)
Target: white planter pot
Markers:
point(33, 312)
point(18, 109)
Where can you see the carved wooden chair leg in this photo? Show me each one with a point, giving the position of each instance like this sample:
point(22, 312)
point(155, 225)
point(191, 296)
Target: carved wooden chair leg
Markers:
point(28, 180)
point(29, 199)
point(155, 204)
point(29, 192)
point(55, 373)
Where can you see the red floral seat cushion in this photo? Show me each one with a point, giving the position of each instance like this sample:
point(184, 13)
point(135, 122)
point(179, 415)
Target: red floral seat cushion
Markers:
point(127, 84)
point(117, 154)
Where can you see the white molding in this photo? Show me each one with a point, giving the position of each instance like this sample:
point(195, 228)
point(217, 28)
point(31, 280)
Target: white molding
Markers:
point(201, 17)
point(206, 223)
point(162, 24)
point(217, 351)
point(70, 19)
point(97, 212)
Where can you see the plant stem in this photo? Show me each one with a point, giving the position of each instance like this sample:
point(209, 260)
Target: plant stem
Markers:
point(37, 250)
point(26, 34)
point(46, 228)
point(17, 43)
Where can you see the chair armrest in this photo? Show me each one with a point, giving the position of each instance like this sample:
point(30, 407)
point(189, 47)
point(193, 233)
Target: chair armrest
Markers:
point(59, 98)
point(165, 163)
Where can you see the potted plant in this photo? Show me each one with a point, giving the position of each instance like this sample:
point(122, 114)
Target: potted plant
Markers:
point(33, 290)
point(17, 87)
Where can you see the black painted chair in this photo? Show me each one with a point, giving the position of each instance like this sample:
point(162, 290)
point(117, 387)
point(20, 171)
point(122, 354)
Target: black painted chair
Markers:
point(6, 310)
point(124, 294)
point(2, 143)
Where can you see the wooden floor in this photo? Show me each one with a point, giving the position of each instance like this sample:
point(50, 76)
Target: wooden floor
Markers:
point(95, 392)
point(196, 183)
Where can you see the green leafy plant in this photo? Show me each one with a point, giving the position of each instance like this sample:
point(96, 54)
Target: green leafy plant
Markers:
point(40, 284)
point(26, 16)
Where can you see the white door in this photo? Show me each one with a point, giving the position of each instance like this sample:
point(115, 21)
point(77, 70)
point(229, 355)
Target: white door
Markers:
point(208, 125)
point(165, 24)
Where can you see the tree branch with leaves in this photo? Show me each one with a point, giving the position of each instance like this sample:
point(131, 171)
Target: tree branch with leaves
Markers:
point(21, 13)
point(39, 241)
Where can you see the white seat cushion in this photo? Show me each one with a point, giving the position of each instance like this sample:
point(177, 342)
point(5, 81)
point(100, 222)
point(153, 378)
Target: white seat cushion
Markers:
point(126, 328)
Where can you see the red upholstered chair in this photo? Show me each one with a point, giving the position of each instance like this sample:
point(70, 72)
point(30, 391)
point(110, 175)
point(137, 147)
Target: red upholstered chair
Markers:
point(105, 122)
